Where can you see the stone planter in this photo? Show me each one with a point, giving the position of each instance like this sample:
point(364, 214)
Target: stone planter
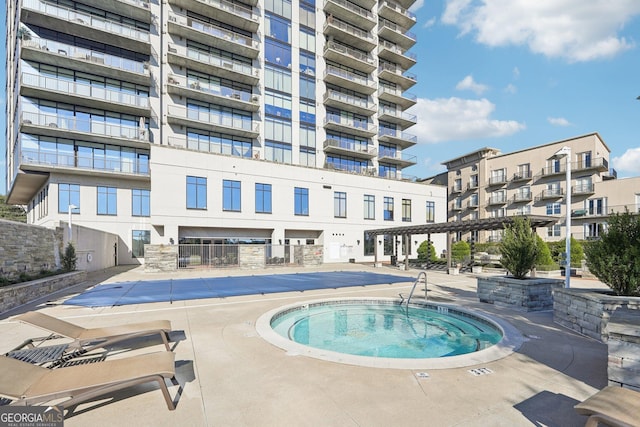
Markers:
point(476, 269)
point(520, 294)
point(587, 311)
point(15, 295)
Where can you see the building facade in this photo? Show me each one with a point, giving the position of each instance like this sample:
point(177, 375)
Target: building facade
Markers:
point(220, 121)
point(488, 184)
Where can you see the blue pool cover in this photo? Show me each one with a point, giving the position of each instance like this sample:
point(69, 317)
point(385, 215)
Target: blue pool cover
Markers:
point(169, 290)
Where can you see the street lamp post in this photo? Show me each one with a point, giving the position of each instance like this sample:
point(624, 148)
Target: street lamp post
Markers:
point(70, 208)
point(566, 153)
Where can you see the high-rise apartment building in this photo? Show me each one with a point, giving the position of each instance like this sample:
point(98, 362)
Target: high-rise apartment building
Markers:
point(215, 121)
point(488, 184)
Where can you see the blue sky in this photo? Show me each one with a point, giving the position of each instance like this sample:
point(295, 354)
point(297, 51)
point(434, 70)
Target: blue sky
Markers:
point(511, 74)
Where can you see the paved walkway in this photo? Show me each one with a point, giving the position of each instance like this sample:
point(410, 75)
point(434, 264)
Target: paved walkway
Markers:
point(230, 376)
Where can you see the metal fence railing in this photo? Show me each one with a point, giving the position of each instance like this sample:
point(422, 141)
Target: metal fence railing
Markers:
point(231, 255)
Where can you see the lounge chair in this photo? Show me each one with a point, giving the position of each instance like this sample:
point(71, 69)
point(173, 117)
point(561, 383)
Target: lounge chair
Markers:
point(613, 406)
point(27, 384)
point(89, 339)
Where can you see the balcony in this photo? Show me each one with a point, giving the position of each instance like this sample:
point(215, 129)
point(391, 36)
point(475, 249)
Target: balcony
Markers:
point(393, 53)
point(472, 204)
point(497, 199)
point(604, 211)
point(396, 96)
point(401, 139)
point(214, 94)
point(342, 101)
point(396, 13)
point(349, 34)
point(212, 35)
point(54, 89)
point(85, 60)
point(551, 193)
point(583, 190)
point(213, 121)
point(599, 164)
point(136, 9)
point(211, 64)
point(349, 126)
point(350, 149)
point(397, 75)
point(401, 160)
point(472, 186)
point(456, 207)
point(400, 118)
point(522, 197)
point(497, 180)
point(235, 14)
point(396, 34)
point(456, 189)
point(350, 12)
point(85, 25)
point(61, 126)
point(355, 59)
point(227, 149)
point(349, 80)
point(521, 176)
point(557, 169)
point(41, 161)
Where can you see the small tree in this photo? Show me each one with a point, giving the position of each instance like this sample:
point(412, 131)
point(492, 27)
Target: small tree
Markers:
point(544, 254)
point(69, 259)
point(615, 257)
point(459, 251)
point(426, 250)
point(519, 248)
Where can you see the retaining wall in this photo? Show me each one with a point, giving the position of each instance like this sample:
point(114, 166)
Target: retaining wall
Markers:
point(525, 294)
point(587, 311)
point(15, 295)
point(623, 367)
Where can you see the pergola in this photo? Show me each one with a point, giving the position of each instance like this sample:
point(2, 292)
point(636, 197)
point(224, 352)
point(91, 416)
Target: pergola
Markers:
point(454, 227)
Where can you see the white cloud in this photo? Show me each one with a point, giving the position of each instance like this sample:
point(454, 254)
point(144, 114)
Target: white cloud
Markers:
point(558, 121)
point(455, 119)
point(511, 88)
point(430, 23)
point(575, 30)
point(628, 162)
point(516, 73)
point(469, 84)
point(416, 6)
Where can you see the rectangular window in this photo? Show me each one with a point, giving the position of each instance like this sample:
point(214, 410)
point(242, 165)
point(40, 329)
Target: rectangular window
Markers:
point(301, 201)
point(553, 231)
point(406, 210)
point(196, 192)
point(553, 208)
point(369, 206)
point(307, 157)
point(431, 211)
point(340, 204)
point(231, 195)
point(139, 239)
point(68, 195)
point(388, 208)
point(369, 244)
point(281, 7)
point(307, 88)
point(107, 201)
point(140, 202)
point(263, 198)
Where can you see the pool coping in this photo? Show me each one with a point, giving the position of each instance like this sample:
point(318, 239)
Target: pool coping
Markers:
point(510, 343)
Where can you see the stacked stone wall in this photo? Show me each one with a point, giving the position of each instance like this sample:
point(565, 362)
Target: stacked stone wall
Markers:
point(624, 349)
point(587, 311)
point(158, 258)
point(26, 248)
point(15, 295)
point(526, 295)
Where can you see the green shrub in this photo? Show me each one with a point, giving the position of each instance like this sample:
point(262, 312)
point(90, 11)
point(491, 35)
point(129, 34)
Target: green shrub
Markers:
point(69, 259)
point(489, 247)
point(557, 248)
point(544, 254)
point(615, 257)
point(519, 248)
point(459, 251)
point(426, 250)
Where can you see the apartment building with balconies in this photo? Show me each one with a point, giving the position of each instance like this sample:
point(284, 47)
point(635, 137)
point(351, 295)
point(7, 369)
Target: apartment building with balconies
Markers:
point(215, 120)
point(488, 184)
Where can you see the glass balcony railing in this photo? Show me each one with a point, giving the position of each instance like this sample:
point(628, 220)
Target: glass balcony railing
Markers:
point(384, 23)
point(347, 75)
point(134, 166)
point(345, 121)
point(396, 70)
point(214, 30)
point(85, 90)
point(368, 149)
point(353, 8)
point(397, 92)
point(350, 29)
point(218, 61)
point(398, 134)
point(398, 113)
point(213, 89)
point(348, 99)
point(89, 55)
point(391, 154)
point(95, 127)
point(355, 54)
point(92, 21)
point(401, 10)
point(235, 8)
point(215, 118)
point(384, 44)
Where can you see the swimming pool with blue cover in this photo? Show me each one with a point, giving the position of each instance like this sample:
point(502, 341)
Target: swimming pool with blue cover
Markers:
point(168, 290)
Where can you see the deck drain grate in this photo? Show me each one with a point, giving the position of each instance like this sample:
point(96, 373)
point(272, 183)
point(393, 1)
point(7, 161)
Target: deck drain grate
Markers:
point(480, 371)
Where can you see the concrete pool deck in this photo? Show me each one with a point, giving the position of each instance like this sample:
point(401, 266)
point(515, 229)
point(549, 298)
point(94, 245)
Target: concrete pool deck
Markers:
point(230, 376)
